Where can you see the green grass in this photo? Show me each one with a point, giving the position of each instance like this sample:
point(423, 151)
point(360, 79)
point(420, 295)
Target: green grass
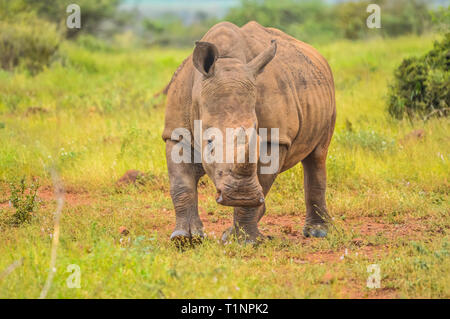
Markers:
point(95, 117)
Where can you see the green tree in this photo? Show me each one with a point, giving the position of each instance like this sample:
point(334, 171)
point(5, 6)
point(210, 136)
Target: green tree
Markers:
point(93, 13)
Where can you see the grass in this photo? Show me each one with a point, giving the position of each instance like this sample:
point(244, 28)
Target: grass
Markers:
point(92, 116)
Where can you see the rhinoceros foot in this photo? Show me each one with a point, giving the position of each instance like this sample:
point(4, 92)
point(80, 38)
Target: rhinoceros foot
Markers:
point(183, 238)
point(316, 230)
point(243, 237)
point(197, 236)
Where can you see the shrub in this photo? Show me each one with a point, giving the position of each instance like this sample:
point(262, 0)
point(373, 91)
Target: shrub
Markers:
point(27, 41)
point(420, 86)
point(23, 199)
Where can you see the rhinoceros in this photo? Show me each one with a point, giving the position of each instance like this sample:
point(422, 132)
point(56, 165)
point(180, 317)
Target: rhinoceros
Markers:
point(243, 77)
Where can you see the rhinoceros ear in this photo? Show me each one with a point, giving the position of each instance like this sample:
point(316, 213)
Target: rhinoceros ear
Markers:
point(204, 57)
point(260, 61)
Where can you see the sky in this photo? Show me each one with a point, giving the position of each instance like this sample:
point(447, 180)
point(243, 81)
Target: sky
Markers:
point(186, 9)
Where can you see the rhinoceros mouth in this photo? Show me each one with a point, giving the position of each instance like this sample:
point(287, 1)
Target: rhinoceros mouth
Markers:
point(239, 200)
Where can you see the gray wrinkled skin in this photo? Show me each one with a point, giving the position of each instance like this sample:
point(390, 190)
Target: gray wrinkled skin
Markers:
point(251, 77)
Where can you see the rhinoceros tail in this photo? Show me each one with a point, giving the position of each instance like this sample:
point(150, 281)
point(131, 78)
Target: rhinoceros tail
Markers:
point(174, 76)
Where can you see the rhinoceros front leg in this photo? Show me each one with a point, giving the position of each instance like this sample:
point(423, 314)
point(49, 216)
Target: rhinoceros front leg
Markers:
point(245, 225)
point(183, 190)
point(246, 219)
point(317, 218)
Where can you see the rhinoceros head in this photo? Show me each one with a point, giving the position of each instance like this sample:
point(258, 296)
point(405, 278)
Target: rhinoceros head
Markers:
point(225, 97)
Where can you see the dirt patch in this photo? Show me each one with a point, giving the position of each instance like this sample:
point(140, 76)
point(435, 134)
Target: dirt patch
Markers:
point(356, 290)
point(290, 227)
point(411, 228)
point(287, 227)
point(71, 197)
point(282, 226)
point(4, 205)
point(46, 196)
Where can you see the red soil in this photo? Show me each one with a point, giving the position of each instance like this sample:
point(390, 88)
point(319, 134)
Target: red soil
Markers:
point(287, 227)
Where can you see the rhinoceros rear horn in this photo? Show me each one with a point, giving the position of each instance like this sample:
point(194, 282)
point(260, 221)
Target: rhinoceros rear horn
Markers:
point(204, 57)
point(260, 61)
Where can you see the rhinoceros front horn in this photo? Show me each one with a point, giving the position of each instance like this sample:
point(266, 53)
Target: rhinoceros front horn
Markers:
point(261, 60)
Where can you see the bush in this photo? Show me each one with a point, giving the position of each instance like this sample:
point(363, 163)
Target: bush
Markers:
point(23, 199)
point(420, 85)
point(29, 42)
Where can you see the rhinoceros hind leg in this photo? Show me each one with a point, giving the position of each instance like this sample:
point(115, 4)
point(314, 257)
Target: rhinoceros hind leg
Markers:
point(318, 231)
point(228, 235)
point(317, 218)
